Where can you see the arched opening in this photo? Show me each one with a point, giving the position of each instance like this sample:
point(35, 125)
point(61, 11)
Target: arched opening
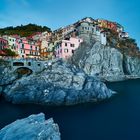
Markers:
point(18, 64)
point(23, 71)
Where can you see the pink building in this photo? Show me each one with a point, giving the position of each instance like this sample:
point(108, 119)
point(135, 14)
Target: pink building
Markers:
point(27, 49)
point(66, 48)
point(3, 45)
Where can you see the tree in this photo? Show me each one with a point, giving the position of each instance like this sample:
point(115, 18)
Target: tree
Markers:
point(9, 52)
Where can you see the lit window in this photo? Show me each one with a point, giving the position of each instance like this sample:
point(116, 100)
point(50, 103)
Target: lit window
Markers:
point(66, 50)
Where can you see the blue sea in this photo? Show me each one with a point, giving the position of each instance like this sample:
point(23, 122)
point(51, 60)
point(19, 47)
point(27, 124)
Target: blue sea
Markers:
point(117, 118)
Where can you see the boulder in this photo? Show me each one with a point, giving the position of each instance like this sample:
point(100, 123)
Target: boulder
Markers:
point(59, 84)
point(35, 127)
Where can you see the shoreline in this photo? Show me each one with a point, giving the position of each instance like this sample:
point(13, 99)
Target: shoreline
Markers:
point(111, 79)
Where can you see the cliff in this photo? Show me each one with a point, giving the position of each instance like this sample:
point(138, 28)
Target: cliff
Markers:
point(35, 127)
point(115, 61)
point(60, 84)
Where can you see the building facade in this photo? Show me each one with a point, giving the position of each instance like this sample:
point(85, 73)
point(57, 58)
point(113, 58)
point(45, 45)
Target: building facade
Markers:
point(123, 35)
point(3, 45)
point(66, 48)
point(107, 24)
point(27, 49)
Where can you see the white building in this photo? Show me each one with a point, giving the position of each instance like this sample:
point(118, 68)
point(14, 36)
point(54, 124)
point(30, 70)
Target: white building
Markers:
point(103, 38)
point(11, 42)
point(123, 35)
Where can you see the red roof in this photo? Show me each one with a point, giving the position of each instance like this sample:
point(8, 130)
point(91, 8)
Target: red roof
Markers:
point(2, 52)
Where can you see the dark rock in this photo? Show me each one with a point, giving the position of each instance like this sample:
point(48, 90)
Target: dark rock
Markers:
point(60, 84)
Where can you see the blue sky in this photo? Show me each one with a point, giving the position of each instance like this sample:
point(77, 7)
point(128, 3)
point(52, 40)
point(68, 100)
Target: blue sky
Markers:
point(57, 13)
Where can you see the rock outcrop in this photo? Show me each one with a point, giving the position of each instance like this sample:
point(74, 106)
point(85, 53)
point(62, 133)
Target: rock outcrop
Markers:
point(105, 62)
point(35, 127)
point(59, 84)
point(132, 65)
point(6, 75)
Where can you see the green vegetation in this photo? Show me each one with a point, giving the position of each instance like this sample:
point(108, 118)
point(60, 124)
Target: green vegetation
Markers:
point(9, 52)
point(127, 46)
point(24, 31)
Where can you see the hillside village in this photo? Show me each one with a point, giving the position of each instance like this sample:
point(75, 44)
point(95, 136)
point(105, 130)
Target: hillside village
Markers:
point(62, 42)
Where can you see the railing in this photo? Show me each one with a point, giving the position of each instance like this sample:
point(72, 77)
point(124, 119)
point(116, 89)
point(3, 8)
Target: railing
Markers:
point(20, 59)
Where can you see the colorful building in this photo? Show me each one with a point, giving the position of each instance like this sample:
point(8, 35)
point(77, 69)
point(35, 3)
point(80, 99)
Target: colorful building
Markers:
point(44, 48)
point(107, 24)
point(27, 49)
point(3, 45)
point(66, 48)
point(45, 40)
point(11, 42)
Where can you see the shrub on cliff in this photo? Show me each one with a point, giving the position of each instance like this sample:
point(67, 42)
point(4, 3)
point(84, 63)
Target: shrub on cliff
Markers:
point(9, 52)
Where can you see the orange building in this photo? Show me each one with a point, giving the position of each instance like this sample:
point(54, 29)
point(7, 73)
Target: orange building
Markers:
point(107, 24)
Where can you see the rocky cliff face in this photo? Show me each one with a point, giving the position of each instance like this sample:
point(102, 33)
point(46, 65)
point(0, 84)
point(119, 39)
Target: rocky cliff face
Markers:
point(106, 62)
point(132, 65)
point(59, 84)
point(35, 127)
point(6, 76)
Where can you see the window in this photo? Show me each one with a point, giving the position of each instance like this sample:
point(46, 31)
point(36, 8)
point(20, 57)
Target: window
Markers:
point(22, 46)
point(96, 29)
point(72, 45)
point(72, 51)
point(65, 50)
point(29, 63)
point(65, 44)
